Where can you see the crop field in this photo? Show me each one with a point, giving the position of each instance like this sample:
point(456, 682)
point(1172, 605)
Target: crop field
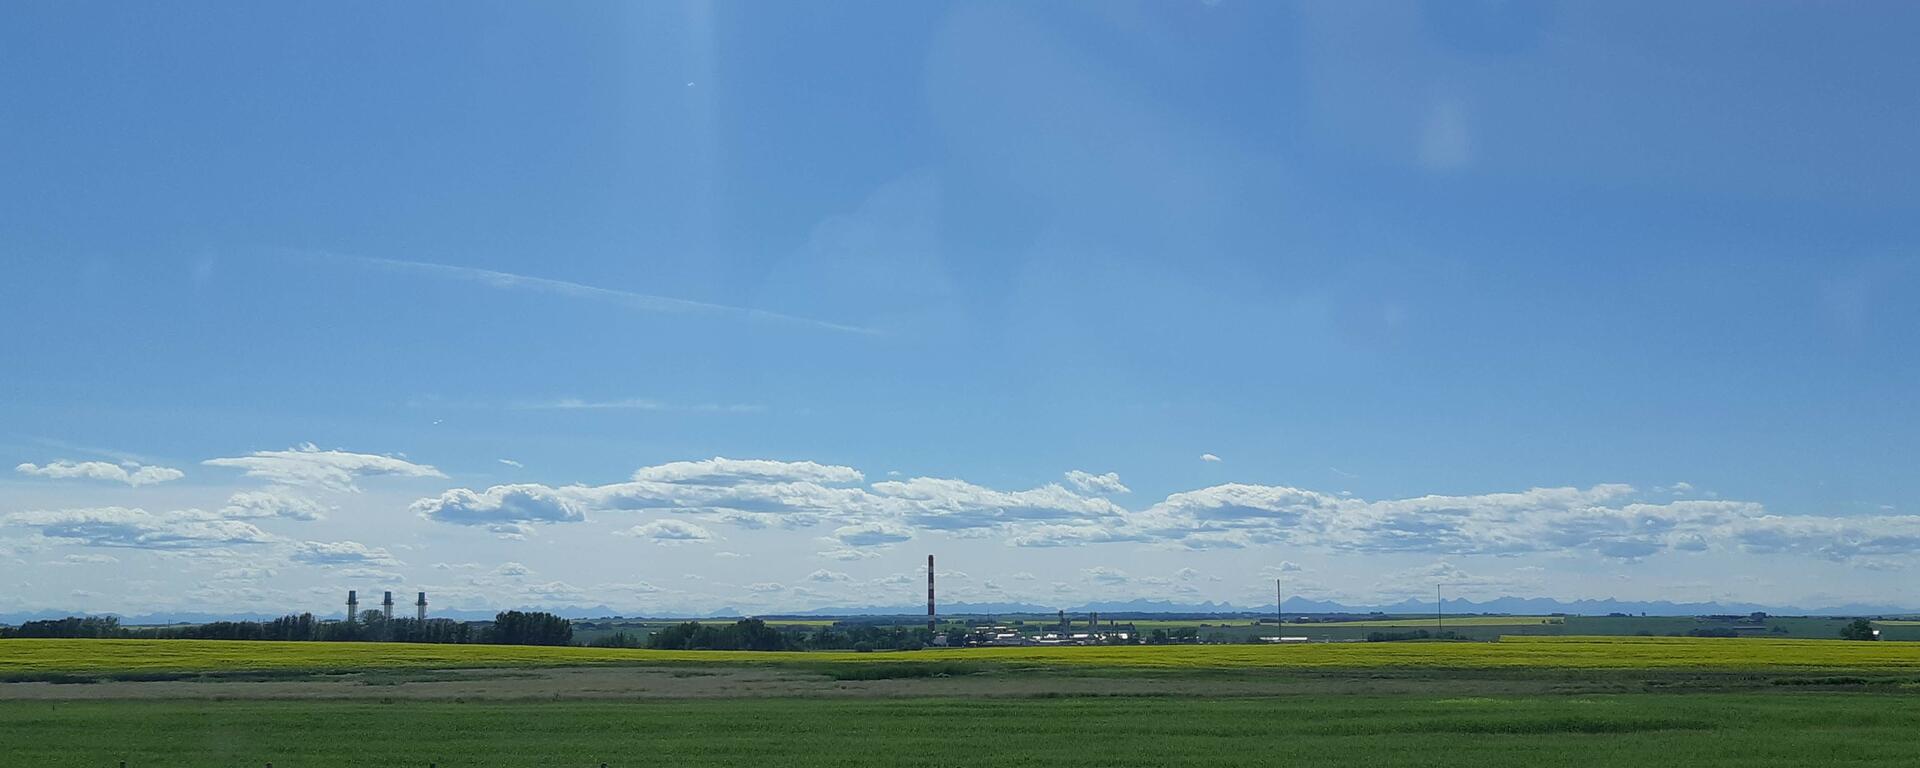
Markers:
point(1524, 701)
point(1700, 730)
point(25, 658)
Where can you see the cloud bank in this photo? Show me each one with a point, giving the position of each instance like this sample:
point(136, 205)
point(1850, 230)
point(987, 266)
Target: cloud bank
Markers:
point(309, 466)
point(130, 473)
point(1613, 521)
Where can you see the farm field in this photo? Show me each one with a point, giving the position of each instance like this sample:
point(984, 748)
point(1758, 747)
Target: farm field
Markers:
point(26, 658)
point(1641, 729)
point(1525, 701)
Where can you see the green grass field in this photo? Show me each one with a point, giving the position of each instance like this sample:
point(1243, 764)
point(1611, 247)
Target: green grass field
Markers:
point(1697, 730)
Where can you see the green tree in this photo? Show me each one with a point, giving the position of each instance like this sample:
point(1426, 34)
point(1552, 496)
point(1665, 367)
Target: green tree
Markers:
point(1859, 629)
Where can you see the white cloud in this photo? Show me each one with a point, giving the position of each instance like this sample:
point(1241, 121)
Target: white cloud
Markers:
point(943, 504)
point(137, 528)
point(849, 554)
point(1209, 457)
point(342, 553)
point(1832, 538)
point(869, 534)
point(1608, 520)
point(827, 577)
point(511, 568)
point(1101, 574)
point(88, 560)
point(670, 532)
point(368, 574)
point(130, 473)
point(247, 505)
point(724, 471)
point(502, 505)
point(766, 587)
point(1087, 482)
point(1070, 535)
point(307, 465)
point(1601, 519)
point(511, 463)
point(760, 493)
point(245, 574)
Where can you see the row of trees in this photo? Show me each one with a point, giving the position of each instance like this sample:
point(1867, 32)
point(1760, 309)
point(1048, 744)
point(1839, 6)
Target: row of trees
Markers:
point(507, 628)
point(743, 635)
point(71, 626)
point(756, 635)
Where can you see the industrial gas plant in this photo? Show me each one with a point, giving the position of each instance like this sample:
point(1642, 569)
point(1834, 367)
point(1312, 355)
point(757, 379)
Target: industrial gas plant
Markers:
point(386, 606)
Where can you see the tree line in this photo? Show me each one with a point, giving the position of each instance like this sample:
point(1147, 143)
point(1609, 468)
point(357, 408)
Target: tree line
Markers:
point(756, 635)
point(507, 628)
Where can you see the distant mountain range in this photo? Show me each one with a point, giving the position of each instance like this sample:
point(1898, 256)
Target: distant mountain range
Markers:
point(1116, 609)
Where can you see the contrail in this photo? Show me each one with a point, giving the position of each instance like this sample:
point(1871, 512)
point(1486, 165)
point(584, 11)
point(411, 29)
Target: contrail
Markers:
point(642, 301)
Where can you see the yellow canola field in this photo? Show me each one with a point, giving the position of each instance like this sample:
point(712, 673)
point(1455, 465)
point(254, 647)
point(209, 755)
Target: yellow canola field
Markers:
point(135, 656)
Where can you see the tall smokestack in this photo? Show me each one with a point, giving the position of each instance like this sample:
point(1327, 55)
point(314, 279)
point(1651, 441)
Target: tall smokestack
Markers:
point(420, 608)
point(386, 606)
point(353, 606)
point(930, 620)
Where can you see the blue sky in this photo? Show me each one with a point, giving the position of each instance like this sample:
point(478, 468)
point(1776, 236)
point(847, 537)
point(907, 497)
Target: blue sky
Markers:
point(1660, 259)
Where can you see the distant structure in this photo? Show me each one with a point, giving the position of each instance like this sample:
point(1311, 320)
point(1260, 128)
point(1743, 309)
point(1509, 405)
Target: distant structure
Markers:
point(353, 606)
point(931, 624)
point(420, 608)
point(386, 606)
point(1279, 606)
